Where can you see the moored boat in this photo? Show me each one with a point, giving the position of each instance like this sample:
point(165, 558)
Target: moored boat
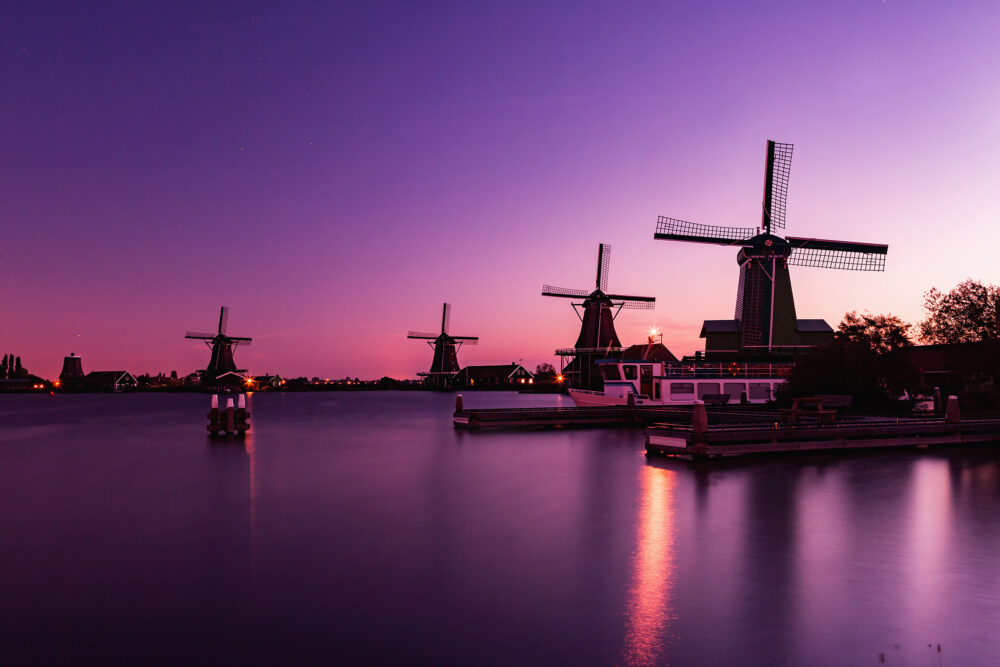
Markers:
point(646, 382)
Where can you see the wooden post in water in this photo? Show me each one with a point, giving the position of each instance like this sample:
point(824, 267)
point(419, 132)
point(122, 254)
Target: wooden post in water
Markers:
point(242, 416)
point(214, 419)
point(230, 416)
point(938, 403)
point(458, 403)
point(699, 430)
point(952, 413)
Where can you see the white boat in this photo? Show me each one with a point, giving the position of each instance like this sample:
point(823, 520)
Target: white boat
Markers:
point(683, 382)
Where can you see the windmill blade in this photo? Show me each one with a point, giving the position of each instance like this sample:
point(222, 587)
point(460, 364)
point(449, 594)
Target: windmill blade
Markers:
point(845, 255)
point(241, 339)
point(199, 335)
point(564, 292)
point(603, 263)
point(445, 318)
point(467, 340)
point(778, 166)
point(421, 334)
point(223, 319)
point(243, 342)
point(672, 229)
point(634, 302)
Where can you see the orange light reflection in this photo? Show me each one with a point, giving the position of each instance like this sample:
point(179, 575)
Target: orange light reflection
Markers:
point(649, 609)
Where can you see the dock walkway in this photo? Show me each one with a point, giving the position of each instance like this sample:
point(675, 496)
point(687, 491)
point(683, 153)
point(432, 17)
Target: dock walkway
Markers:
point(671, 439)
point(602, 416)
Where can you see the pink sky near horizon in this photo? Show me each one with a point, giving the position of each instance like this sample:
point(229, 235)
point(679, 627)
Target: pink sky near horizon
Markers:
point(334, 173)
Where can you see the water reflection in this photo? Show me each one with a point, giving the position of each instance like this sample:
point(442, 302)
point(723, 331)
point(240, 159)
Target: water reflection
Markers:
point(649, 610)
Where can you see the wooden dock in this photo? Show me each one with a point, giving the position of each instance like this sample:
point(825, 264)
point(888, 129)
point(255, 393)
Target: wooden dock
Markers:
point(602, 416)
point(672, 439)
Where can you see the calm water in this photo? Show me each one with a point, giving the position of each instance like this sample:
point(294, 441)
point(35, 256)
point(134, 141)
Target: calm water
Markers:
point(361, 528)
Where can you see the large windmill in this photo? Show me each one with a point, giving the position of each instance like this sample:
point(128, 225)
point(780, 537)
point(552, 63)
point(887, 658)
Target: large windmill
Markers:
point(766, 324)
point(444, 365)
point(597, 338)
point(222, 368)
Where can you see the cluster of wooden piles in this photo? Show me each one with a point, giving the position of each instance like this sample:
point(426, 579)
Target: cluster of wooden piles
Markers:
point(231, 420)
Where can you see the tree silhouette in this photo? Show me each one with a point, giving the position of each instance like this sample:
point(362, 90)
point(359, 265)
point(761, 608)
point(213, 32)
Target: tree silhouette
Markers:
point(969, 313)
point(879, 333)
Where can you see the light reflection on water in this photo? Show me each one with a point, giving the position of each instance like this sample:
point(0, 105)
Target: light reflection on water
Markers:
point(361, 528)
point(648, 611)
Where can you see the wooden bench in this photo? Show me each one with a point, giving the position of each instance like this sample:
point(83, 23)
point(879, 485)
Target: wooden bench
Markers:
point(810, 406)
point(835, 401)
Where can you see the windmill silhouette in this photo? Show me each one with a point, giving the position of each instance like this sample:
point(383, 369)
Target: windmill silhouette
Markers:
point(444, 365)
point(221, 367)
point(598, 338)
point(766, 322)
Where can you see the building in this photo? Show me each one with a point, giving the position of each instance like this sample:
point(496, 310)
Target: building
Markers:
point(110, 381)
point(723, 341)
point(266, 381)
point(505, 376)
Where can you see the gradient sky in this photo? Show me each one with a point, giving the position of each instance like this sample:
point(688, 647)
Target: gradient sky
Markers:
point(335, 171)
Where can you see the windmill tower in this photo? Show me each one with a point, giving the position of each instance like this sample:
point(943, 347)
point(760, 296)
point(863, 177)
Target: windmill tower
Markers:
point(766, 325)
point(444, 365)
point(598, 338)
point(222, 368)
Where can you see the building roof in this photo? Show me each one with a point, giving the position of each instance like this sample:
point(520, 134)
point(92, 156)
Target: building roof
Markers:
point(719, 326)
point(649, 352)
point(499, 370)
point(814, 326)
point(109, 376)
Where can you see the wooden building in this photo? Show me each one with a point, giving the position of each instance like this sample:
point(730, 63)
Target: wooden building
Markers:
point(504, 376)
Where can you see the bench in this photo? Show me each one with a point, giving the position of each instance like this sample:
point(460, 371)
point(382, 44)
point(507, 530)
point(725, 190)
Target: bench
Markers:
point(715, 399)
point(811, 406)
point(835, 401)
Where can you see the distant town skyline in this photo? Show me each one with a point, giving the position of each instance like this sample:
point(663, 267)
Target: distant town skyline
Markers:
point(334, 172)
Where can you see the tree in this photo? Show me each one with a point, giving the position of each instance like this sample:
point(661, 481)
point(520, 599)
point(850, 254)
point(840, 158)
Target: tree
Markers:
point(968, 313)
point(3, 368)
point(545, 371)
point(865, 360)
point(879, 333)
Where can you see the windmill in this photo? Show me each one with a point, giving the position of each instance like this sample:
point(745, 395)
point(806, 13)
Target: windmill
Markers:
point(597, 337)
point(444, 365)
point(765, 321)
point(221, 367)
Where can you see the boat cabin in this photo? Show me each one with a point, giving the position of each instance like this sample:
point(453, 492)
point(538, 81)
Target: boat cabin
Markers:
point(684, 382)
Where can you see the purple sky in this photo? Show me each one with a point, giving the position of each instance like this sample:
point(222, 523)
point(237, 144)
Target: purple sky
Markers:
point(335, 172)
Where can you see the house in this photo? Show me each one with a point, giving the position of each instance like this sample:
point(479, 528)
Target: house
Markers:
point(505, 376)
point(110, 381)
point(267, 381)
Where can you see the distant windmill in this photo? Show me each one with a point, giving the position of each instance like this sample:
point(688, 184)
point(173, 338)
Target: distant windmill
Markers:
point(597, 331)
point(445, 362)
point(221, 367)
point(765, 309)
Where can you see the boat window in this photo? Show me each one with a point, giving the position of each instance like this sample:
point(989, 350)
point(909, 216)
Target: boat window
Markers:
point(630, 372)
point(681, 389)
point(760, 391)
point(611, 372)
point(734, 389)
point(646, 371)
point(707, 388)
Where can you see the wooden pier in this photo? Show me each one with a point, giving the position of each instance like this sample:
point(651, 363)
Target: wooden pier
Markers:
point(721, 440)
point(603, 416)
